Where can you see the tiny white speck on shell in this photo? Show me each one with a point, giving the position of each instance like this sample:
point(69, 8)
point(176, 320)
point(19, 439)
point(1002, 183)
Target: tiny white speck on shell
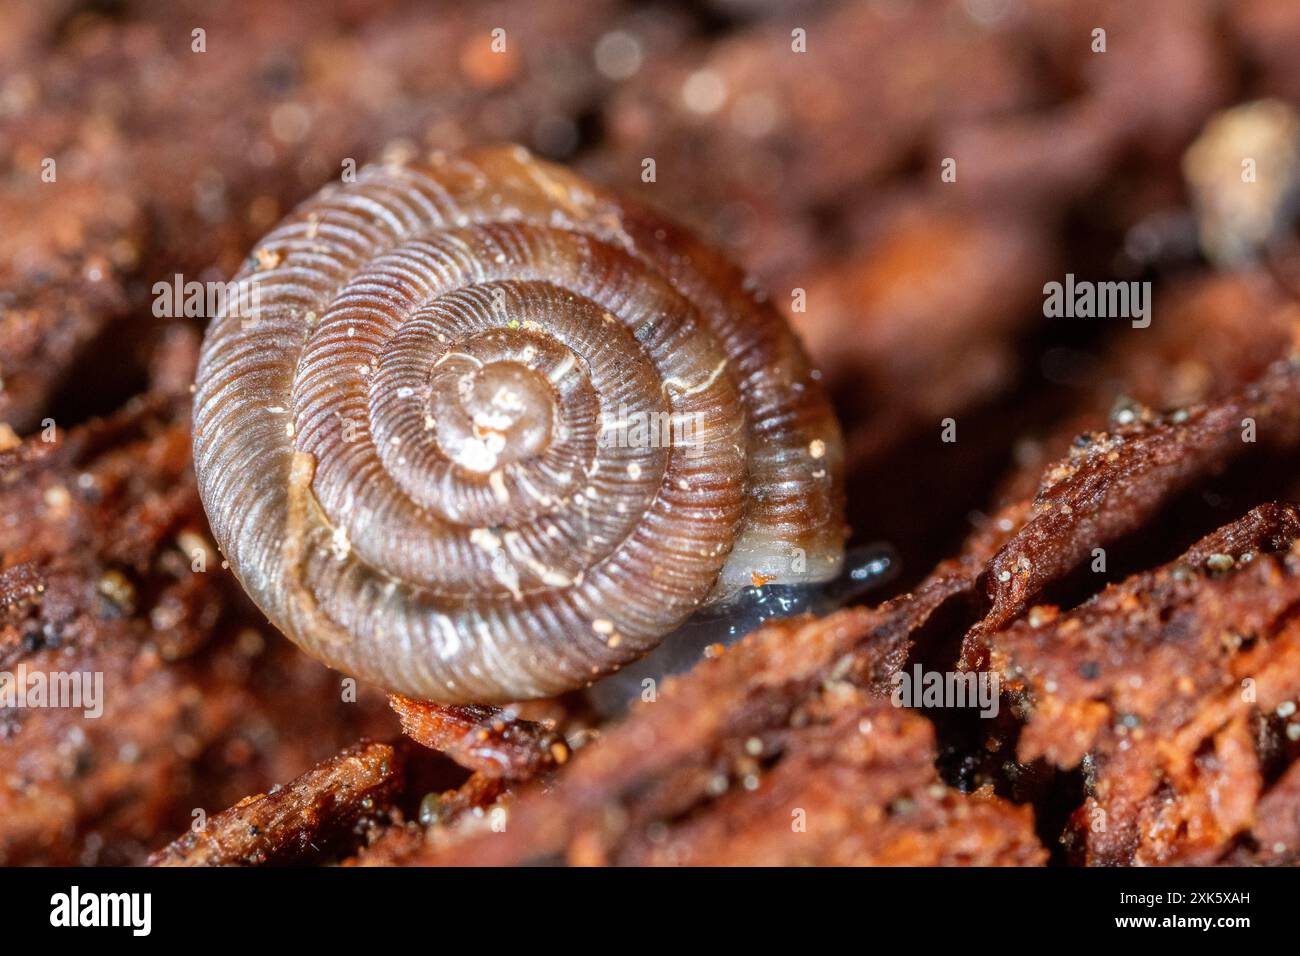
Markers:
point(339, 544)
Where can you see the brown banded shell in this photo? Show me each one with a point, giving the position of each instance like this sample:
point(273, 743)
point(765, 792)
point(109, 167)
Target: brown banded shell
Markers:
point(487, 432)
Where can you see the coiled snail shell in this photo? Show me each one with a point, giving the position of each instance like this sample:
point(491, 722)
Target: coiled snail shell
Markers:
point(487, 432)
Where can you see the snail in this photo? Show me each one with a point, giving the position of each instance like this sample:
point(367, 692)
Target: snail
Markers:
point(482, 432)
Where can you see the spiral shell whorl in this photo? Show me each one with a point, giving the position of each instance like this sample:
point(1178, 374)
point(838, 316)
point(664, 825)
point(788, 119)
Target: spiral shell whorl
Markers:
point(401, 449)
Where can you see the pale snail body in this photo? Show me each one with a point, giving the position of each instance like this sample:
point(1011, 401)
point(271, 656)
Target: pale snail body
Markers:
point(416, 448)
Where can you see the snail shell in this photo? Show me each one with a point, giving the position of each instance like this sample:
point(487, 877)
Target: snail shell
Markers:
point(487, 432)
